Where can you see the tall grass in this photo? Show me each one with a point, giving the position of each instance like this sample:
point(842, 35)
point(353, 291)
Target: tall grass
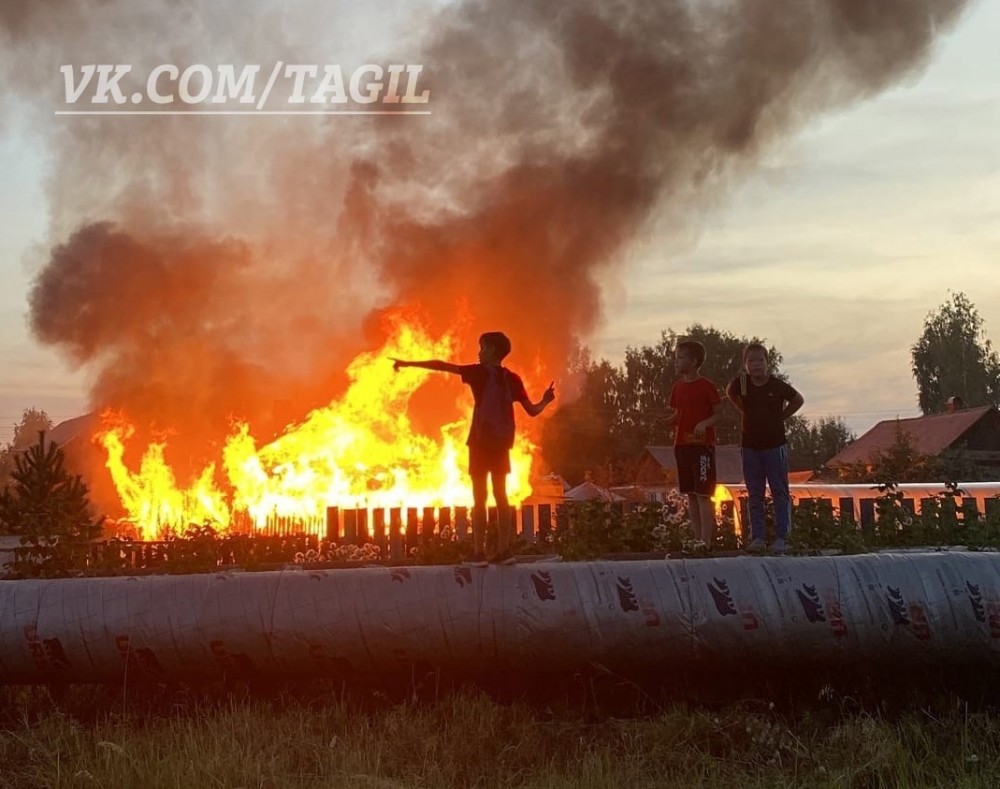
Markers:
point(323, 737)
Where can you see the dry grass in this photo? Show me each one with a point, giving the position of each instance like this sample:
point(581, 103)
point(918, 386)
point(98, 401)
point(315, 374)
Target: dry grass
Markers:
point(323, 737)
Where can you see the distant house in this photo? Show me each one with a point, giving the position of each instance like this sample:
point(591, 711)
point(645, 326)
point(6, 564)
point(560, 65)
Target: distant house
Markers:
point(550, 489)
point(657, 470)
point(658, 466)
point(589, 491)
point(83, 456)
point(75, 431)
point(73, 437)
point(974, 432)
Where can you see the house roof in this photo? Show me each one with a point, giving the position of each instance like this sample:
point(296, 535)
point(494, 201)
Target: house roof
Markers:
point(929, 435)
point(556, 480)
point(70, 429)
point(588, 491)
point(728, 462)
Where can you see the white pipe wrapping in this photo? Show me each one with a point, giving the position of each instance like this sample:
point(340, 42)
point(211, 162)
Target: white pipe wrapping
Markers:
point(935, 608)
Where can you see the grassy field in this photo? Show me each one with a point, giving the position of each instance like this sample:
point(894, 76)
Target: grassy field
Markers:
point(576, 734)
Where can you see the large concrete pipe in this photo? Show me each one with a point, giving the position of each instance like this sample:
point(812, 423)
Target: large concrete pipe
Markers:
point(905, 607)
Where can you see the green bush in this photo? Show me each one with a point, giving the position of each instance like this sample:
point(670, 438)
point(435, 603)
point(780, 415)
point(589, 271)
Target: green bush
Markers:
point(49, 508)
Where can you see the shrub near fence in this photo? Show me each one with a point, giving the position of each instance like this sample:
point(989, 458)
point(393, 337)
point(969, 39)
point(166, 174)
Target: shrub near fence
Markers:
point(578, 530)
point(200, 549)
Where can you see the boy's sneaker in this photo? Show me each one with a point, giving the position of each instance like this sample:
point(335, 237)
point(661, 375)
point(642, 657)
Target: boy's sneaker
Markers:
point(503, 558)
point(476, 560)
point(779, 546)
point(756, 546)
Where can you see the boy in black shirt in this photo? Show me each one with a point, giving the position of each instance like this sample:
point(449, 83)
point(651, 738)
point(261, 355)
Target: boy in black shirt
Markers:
point(765, 402)
point(495, 389)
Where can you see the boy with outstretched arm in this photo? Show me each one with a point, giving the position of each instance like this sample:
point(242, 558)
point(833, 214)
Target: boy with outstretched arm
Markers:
point(495, 389)
point(765, 403)
point(695, 406)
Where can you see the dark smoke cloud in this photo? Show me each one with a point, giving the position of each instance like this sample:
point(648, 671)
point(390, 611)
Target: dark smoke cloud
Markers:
point(626, 111)
point(168, 324)
point(254, 249)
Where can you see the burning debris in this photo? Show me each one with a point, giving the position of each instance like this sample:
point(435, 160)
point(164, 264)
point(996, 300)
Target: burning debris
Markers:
point(361, 450)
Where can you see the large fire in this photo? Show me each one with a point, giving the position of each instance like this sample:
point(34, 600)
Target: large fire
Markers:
point(360, 451)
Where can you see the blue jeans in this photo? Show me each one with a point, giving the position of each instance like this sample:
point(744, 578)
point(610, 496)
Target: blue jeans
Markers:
point(771, 466)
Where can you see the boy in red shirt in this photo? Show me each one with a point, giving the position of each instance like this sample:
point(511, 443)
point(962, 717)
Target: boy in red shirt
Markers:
point(695, 406)
point(495, 389)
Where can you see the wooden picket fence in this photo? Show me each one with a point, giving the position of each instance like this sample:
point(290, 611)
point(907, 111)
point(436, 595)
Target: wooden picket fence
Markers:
point(398, 533)
point(398, 530)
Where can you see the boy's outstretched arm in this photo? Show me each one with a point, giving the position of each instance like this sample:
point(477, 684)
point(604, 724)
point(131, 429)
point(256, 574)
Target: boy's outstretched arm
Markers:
point(429, 364)
point(534, 409)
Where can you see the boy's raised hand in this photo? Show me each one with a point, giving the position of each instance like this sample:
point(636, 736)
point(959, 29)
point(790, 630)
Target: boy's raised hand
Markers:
point(397, 363)
point(550, 393)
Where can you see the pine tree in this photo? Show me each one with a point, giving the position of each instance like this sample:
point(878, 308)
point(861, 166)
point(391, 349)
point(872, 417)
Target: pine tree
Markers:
point(49, 508)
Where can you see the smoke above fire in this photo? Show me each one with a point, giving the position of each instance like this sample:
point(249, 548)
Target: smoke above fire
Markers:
point(205, 268)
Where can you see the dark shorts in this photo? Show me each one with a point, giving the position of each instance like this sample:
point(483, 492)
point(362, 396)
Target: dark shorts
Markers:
point(695, 469)
point(493, 461)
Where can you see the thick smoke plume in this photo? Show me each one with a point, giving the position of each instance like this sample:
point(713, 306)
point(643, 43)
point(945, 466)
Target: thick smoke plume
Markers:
point(203, 268)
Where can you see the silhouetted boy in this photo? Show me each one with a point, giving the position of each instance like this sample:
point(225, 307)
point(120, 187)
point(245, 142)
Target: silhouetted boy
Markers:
point(495, 389)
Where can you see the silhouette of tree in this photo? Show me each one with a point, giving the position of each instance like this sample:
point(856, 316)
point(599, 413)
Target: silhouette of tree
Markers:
point(49, 508)
point(811, 444)
point(25, 432)
point(954, 357)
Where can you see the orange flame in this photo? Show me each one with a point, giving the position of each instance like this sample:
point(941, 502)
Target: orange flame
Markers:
point(359, 451)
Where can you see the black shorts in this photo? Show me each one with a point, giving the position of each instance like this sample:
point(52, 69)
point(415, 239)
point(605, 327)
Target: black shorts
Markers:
point(489, 460)
point(695, 469)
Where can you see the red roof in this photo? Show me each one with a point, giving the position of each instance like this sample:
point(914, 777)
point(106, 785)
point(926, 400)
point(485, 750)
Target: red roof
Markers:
point(929, 435)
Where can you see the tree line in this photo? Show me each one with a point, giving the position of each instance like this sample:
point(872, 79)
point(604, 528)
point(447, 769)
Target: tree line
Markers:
point(620, 410)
